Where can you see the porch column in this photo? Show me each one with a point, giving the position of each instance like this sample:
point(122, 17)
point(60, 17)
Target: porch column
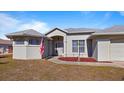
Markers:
point(13, 43)
point(65, 45)
point(26, 42)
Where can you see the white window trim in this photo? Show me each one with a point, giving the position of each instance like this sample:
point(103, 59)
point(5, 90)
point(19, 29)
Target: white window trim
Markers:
point(79, 47)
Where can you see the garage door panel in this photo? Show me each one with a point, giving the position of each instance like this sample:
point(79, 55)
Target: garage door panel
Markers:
point(103, 50)
point(117, 50)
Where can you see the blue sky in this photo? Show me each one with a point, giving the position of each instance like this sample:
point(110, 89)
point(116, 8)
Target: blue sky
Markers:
point(43, 21)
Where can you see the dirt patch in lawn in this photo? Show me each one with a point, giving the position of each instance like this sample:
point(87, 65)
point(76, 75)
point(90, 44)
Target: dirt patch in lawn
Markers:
point(45, 70)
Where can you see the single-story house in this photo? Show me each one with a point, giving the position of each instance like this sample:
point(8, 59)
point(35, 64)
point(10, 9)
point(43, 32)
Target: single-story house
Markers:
point(5, 46)
point(103, 45)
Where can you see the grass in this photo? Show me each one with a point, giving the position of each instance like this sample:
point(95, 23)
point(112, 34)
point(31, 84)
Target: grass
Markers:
point(45, 70)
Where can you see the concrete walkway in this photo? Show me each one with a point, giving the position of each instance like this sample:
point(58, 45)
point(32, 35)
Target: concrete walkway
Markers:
point(113, 64)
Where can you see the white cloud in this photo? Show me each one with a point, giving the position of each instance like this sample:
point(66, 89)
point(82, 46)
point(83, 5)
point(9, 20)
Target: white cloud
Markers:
point(88, 15)
point(121, 13)
point(103, 21)
point(10, 24)
point(36, 25)
point(7, 22)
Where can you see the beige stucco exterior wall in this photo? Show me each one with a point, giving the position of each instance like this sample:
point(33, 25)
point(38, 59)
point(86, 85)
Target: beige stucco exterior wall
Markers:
point(101, 47)
point(50, 48)
point(27, 51)
point(19, 52)
point(33, 52)
point(67, 39)
point(77, 37)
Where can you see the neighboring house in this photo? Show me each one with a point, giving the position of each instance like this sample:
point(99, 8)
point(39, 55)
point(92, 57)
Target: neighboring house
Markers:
point(5, 46)
point(103, 45)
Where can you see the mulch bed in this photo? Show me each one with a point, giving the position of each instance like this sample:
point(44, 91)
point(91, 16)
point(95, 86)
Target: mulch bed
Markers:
point(76, 59)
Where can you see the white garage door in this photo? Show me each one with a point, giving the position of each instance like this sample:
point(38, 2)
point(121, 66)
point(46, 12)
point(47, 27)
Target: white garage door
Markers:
point(117, 50)
point(103, 50)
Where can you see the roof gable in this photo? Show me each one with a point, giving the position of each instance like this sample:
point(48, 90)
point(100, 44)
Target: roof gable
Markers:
point(54, 30)
point(74, 30)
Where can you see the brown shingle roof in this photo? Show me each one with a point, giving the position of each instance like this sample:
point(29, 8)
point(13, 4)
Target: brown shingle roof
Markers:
point(75, 30)
point(28, 32)
point(5, 42)
point(114, 30)
point(81, 30)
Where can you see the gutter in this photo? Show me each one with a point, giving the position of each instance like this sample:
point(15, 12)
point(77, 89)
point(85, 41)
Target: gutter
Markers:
point(115, 33)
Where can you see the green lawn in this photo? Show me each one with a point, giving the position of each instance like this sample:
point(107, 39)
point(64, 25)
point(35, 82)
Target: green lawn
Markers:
point(44, 70)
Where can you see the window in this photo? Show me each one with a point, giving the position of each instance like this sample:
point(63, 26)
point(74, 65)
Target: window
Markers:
point(19, 42)
point(81, 46)
point(78, 46)
point(34, 42)
point(74, 45)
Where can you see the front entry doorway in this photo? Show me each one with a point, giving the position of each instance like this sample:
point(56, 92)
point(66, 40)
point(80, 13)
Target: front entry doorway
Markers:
point(58, 46)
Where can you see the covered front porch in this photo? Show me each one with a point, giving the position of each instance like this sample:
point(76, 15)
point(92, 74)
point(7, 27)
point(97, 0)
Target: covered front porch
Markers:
point(57, 45)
